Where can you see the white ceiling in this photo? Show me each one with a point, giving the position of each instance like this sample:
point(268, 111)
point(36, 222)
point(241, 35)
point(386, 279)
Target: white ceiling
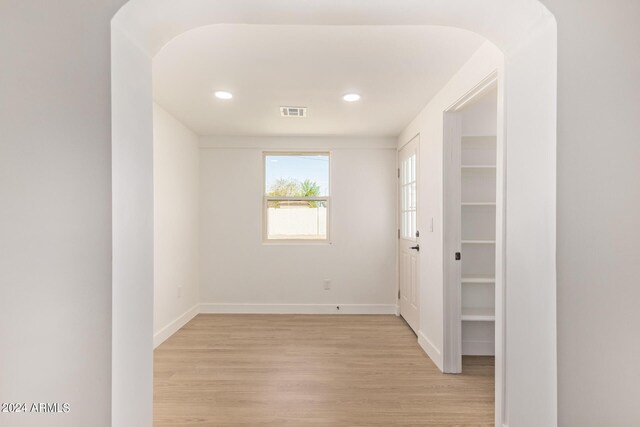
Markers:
point(396, 69)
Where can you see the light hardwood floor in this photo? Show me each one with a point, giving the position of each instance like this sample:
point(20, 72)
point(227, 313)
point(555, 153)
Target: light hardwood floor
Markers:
point(299, 370)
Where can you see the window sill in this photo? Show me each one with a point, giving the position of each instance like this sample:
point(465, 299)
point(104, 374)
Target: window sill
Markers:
point(296, 242)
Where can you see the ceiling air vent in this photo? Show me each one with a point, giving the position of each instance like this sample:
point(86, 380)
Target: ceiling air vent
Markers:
point(293, 111)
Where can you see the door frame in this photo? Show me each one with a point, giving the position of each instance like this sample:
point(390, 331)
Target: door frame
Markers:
point(452, 348)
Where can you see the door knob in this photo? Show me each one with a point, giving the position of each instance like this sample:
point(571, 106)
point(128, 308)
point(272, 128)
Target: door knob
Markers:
point(416, 247)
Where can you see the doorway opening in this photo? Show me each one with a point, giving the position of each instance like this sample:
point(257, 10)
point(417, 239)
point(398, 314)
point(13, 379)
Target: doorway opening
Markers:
point(526, 34)
point(474, 240)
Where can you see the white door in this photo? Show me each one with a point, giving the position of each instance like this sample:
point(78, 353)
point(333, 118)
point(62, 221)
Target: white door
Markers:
point(409, 248)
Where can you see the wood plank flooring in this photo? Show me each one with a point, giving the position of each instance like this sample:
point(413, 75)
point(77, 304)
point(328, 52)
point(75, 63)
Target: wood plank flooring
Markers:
point(307, 370)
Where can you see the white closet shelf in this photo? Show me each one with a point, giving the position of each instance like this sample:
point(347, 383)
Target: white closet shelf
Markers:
point(478, 203)
point(470, 314)
point(478, 279)
point(478, 242)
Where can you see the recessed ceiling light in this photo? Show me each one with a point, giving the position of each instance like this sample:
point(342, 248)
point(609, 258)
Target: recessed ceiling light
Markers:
point(351, 97)
point(223, 94)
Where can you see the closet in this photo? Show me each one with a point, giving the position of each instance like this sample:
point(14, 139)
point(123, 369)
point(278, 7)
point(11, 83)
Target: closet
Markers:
point(470, 225)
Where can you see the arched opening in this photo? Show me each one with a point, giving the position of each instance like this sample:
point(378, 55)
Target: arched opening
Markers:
point(526, 34)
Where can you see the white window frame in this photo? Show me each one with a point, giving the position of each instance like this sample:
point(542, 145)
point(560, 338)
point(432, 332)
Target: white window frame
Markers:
point(408, 197)
point(266, 199)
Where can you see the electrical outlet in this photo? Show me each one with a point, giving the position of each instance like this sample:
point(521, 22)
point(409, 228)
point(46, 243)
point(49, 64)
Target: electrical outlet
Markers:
point(327, 284)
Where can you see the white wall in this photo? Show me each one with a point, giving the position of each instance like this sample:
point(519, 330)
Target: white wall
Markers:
point(176, 224)
point(530, 229)
point(480, 118)
point(240, 273)
point(132, 233)
point(55, 210)
point(429, 123)
point(598, 212)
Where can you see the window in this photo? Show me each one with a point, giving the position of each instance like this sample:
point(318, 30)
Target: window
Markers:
point(408, 197)
point(296, 196)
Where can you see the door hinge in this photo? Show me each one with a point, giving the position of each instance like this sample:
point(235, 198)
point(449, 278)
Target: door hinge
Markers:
point(398, 293)
point(398, 233)
point(398, 172)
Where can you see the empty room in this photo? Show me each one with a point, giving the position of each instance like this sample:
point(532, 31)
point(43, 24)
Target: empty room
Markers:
point(332, 213)
point(289, 237)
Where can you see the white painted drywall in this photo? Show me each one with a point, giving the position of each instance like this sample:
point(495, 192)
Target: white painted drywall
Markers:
point(176, 223)
point(429, 123)
point(480, 118)
point(132, 233)
point(598, 212)
point(55, 210)
point(530, 204)
point(239, 269)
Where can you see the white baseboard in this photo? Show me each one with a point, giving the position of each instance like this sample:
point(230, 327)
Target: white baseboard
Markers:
point(175, 326)
point(214, 308)
point(434, 354)
point(478, 348)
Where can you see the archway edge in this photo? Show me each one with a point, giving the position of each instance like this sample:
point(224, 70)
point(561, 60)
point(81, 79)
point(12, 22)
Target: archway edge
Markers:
point(524, 30)
point(151, 24)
